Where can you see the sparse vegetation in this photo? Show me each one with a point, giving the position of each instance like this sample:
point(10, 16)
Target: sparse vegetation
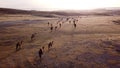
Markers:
point(79, 41)
point(117, 22)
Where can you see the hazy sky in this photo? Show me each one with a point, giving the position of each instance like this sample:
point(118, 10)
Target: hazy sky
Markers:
point(59, 4)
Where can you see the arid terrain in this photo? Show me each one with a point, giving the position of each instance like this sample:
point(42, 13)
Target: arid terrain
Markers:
point(94, 43)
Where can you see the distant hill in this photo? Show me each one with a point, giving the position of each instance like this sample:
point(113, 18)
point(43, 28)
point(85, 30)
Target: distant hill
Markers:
point(31, 12)
point(109, 11)
point(13, 11)
point(36, 13)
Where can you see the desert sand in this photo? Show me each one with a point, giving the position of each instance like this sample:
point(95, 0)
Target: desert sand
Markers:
point(94, 43)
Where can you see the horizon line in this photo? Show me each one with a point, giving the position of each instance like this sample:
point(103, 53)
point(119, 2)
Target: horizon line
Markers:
point(56, 9)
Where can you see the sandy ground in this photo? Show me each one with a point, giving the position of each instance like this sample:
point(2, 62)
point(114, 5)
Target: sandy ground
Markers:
point(20, 17)
point(95, 43)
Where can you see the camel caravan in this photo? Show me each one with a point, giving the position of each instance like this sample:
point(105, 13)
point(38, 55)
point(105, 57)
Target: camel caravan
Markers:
point(52, 27)
point(41, 50)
